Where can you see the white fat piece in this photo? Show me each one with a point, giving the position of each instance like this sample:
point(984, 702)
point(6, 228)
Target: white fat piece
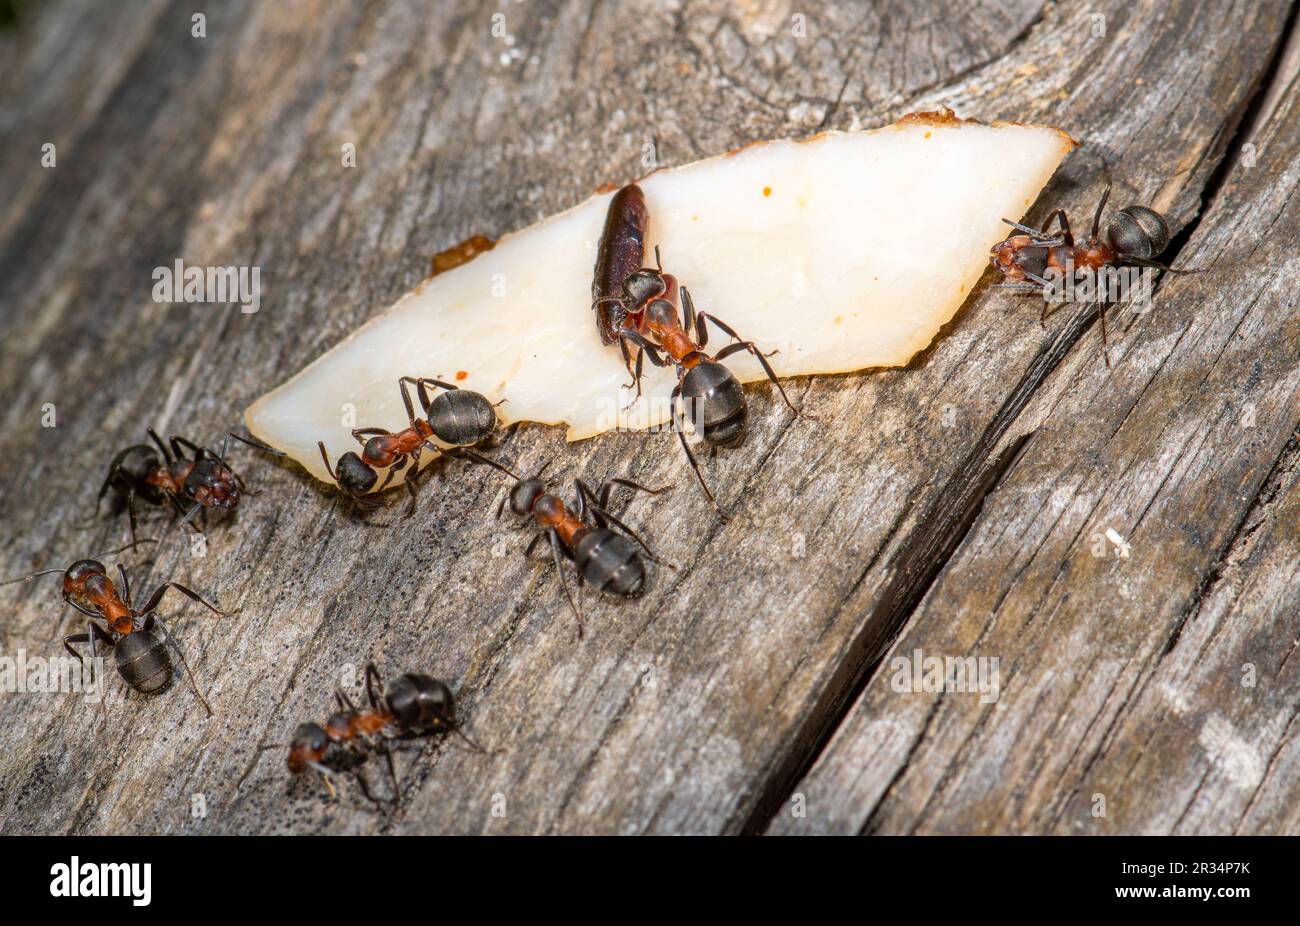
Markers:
point(842, 252)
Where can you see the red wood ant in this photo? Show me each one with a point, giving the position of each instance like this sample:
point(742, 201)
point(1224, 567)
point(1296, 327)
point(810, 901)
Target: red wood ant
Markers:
point(603, 557)
point(191, 485)
point(410, 705)
point(141, 657)
point(1134, 235)
point(708, 388)
point(457, 417)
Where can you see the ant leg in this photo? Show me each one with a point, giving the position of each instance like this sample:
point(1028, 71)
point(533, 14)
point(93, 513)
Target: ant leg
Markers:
point(428, 380)
point(688, 310)
point(634, 375)
point(393, 471)
point(599, 510)
point(178, 443)
point(618, 480)
point(1156, 265)
point(360, 434)
point(167, 455)
point(95, 633)
point(412, 484)
point(474, 457)
point(150, 622)
point(640, 341)
point(406, 401)
point(372, 681)
point(1096, 219)
point(767, 368)
point(559, 573)
point(532, 544)
point(473, 745)
point(679, 418)
point(1105, 342)
point(157, 597)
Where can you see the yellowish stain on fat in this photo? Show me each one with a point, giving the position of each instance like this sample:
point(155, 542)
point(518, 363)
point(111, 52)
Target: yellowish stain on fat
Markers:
point(767, 191)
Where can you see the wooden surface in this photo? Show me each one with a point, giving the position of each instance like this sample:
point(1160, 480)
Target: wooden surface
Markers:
point(954, 507)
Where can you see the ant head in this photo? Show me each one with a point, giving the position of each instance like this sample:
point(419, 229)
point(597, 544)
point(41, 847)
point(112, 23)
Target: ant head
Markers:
point(308, 745)
point(1017, 255)
point(420, 702)
point(212, 484)
point(1138, 232)
point(525, 494)
point(80, 576)
point(355, 477)
point(82, 569)
point(643, 285)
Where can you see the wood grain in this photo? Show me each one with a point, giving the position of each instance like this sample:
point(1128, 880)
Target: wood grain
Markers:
point(914, 507)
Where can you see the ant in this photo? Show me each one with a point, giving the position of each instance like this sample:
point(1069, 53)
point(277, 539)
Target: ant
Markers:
point(710, 389)
point(140, 656)
point(165, 475)
point(457, 417)
point(603, 557)
point(1134, 235)
point(413, 704)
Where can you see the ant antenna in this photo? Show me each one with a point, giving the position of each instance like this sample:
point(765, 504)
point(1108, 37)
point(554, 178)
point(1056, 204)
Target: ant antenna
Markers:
point(473, 745)
point(659, 265)
point(256, 444)
point(49, 572)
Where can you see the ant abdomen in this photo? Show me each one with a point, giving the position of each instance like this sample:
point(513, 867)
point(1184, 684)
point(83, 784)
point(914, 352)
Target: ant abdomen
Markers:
point(143, 663)
point(420, 702)
point(610, 563)
point(716, 401)
point(462, 418)
point(1138, 232)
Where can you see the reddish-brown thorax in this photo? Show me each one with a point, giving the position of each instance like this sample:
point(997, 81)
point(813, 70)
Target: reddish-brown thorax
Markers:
point(96, 591)
point(348, 725)
point(384, 449)
point(170, 477)
point(550, 512)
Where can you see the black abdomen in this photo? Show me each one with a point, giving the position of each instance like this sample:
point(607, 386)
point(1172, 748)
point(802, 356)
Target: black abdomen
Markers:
point(610, 562)
point(142, 661)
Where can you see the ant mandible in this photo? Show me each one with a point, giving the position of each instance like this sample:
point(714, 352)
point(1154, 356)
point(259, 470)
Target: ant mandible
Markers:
point(458, 417)
point(140, 656)
point(412, 704)
point(1134, 235)
point(603, 557)
point(166, 476)
point(712, 391)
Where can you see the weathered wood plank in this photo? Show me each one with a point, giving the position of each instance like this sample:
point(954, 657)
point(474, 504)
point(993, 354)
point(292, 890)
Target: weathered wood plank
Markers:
point(687, 712)
point(1154, 692)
